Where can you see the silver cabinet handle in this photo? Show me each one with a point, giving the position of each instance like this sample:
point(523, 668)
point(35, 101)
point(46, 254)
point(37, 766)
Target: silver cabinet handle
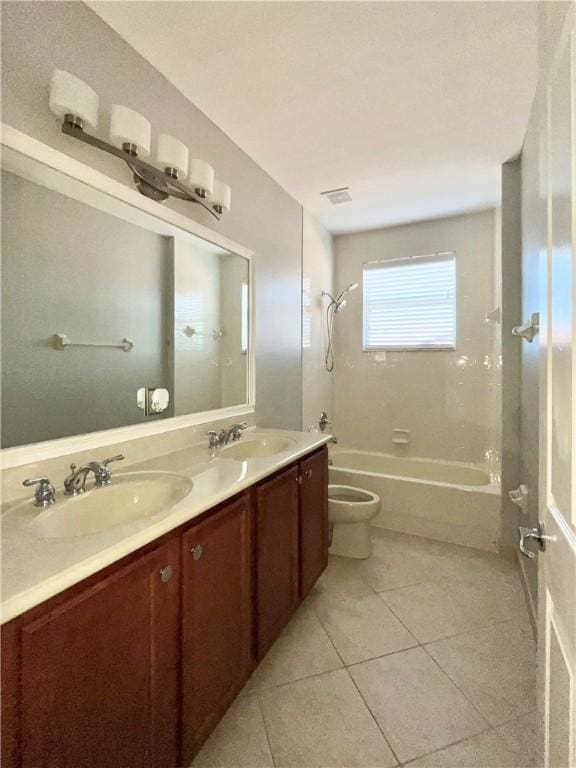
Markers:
point(166, 573)
point(537, 534)
point(197, 551)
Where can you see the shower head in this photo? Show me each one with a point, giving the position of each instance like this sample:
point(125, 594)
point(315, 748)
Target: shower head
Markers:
point(351, 287)
point(335, 305)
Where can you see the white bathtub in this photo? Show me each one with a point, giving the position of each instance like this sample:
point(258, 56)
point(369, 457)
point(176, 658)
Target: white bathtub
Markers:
point(449, 501)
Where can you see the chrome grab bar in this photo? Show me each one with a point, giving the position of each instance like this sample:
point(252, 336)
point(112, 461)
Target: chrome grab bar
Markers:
point(60, 341)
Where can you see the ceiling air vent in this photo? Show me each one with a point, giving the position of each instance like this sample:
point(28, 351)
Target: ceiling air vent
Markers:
point(337, 196)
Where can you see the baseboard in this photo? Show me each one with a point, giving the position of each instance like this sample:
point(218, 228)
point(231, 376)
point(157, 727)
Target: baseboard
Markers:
point(532, 609)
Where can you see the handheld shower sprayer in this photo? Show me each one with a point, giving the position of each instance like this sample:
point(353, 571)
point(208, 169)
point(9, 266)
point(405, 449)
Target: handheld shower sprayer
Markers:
point(335, 305)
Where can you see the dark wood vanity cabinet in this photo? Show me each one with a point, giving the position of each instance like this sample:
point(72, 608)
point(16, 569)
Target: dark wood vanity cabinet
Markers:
point(134, 666)
point(292, 542)
point(93, 674)
point(277, 555)
point(217, 618)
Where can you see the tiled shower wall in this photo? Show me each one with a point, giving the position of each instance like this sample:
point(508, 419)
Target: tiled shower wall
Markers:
point(448, 400)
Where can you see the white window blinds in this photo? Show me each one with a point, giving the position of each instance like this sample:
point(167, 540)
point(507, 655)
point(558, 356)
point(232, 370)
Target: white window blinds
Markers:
point(410, 303)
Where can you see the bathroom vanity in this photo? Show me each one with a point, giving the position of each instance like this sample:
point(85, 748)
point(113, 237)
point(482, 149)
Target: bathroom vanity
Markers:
point(133, 613)
point(136, 664)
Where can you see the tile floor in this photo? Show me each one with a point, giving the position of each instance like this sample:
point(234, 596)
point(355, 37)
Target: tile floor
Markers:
point(422, 656)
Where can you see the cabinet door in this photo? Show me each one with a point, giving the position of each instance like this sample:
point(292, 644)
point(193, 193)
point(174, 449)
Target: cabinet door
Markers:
point(313, 519)
point(277, 556)
point(217, 614)
point(98, 674)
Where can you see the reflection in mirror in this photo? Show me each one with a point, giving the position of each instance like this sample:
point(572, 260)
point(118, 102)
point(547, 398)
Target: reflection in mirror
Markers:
point(97, 308)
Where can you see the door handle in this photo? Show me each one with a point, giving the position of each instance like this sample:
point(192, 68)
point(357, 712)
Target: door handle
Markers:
point(536, 534)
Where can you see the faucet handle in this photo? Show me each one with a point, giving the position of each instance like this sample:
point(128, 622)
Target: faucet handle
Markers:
point(237, 429)
point(120, 457)
point(45, 493)
point(41, 481)
point(213, 439)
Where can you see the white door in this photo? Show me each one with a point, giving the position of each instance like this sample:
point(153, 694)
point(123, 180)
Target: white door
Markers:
point(557, 564)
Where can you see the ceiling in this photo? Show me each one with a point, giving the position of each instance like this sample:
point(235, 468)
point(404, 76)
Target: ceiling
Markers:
point(413, 105)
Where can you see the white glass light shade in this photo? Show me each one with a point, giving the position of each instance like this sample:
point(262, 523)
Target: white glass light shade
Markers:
point(201, 175)
point(130, 127)
point(172, 153)
point(71, 96)
point(221, 195)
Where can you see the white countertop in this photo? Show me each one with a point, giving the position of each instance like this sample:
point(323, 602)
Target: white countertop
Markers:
point(36, 568)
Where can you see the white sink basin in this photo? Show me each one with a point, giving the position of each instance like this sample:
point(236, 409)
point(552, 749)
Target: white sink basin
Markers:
point(130, 497)
point(257, 448)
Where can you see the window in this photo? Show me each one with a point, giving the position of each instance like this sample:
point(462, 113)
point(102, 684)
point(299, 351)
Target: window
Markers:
point(410, 303)
point(245, 320)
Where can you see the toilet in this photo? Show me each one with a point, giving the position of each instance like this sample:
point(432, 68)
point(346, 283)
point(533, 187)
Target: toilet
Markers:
point(350, 511)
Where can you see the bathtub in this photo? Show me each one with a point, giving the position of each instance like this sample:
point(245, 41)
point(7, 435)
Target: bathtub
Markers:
point(448, 501)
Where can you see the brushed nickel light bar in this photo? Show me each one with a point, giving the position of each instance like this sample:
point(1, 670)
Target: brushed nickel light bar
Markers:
point(130, 134)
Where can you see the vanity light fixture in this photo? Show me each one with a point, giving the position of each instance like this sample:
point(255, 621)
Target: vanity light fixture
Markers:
point(77, 104)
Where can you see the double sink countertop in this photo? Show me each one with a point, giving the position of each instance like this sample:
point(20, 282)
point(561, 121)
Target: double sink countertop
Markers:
point(37, 566)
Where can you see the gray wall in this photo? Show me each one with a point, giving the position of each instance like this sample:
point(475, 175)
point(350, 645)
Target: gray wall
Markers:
point(68, 268)
point(38, 37)
point(511, 346)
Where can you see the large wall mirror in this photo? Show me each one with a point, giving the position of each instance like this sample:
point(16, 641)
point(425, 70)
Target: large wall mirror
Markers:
point(103, 303)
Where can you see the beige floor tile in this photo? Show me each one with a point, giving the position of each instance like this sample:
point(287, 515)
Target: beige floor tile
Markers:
point(302, 650)
point(239, 740)
point(400, 560)
point(492, 598)
point(494, 666)
point(418, 708)
point(483, 751)
point(522, 737)
point(341, 577)
point(323, 723)
point(431, 611)
point(396, 564)
point(362, 628)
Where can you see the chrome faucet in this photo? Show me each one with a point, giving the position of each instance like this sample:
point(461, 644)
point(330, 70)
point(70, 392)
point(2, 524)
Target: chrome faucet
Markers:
point(222, 438)
point(324, 422)
point(75, 483)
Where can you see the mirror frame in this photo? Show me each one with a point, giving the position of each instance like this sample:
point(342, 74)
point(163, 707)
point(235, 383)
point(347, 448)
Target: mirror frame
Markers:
point(32, 152)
